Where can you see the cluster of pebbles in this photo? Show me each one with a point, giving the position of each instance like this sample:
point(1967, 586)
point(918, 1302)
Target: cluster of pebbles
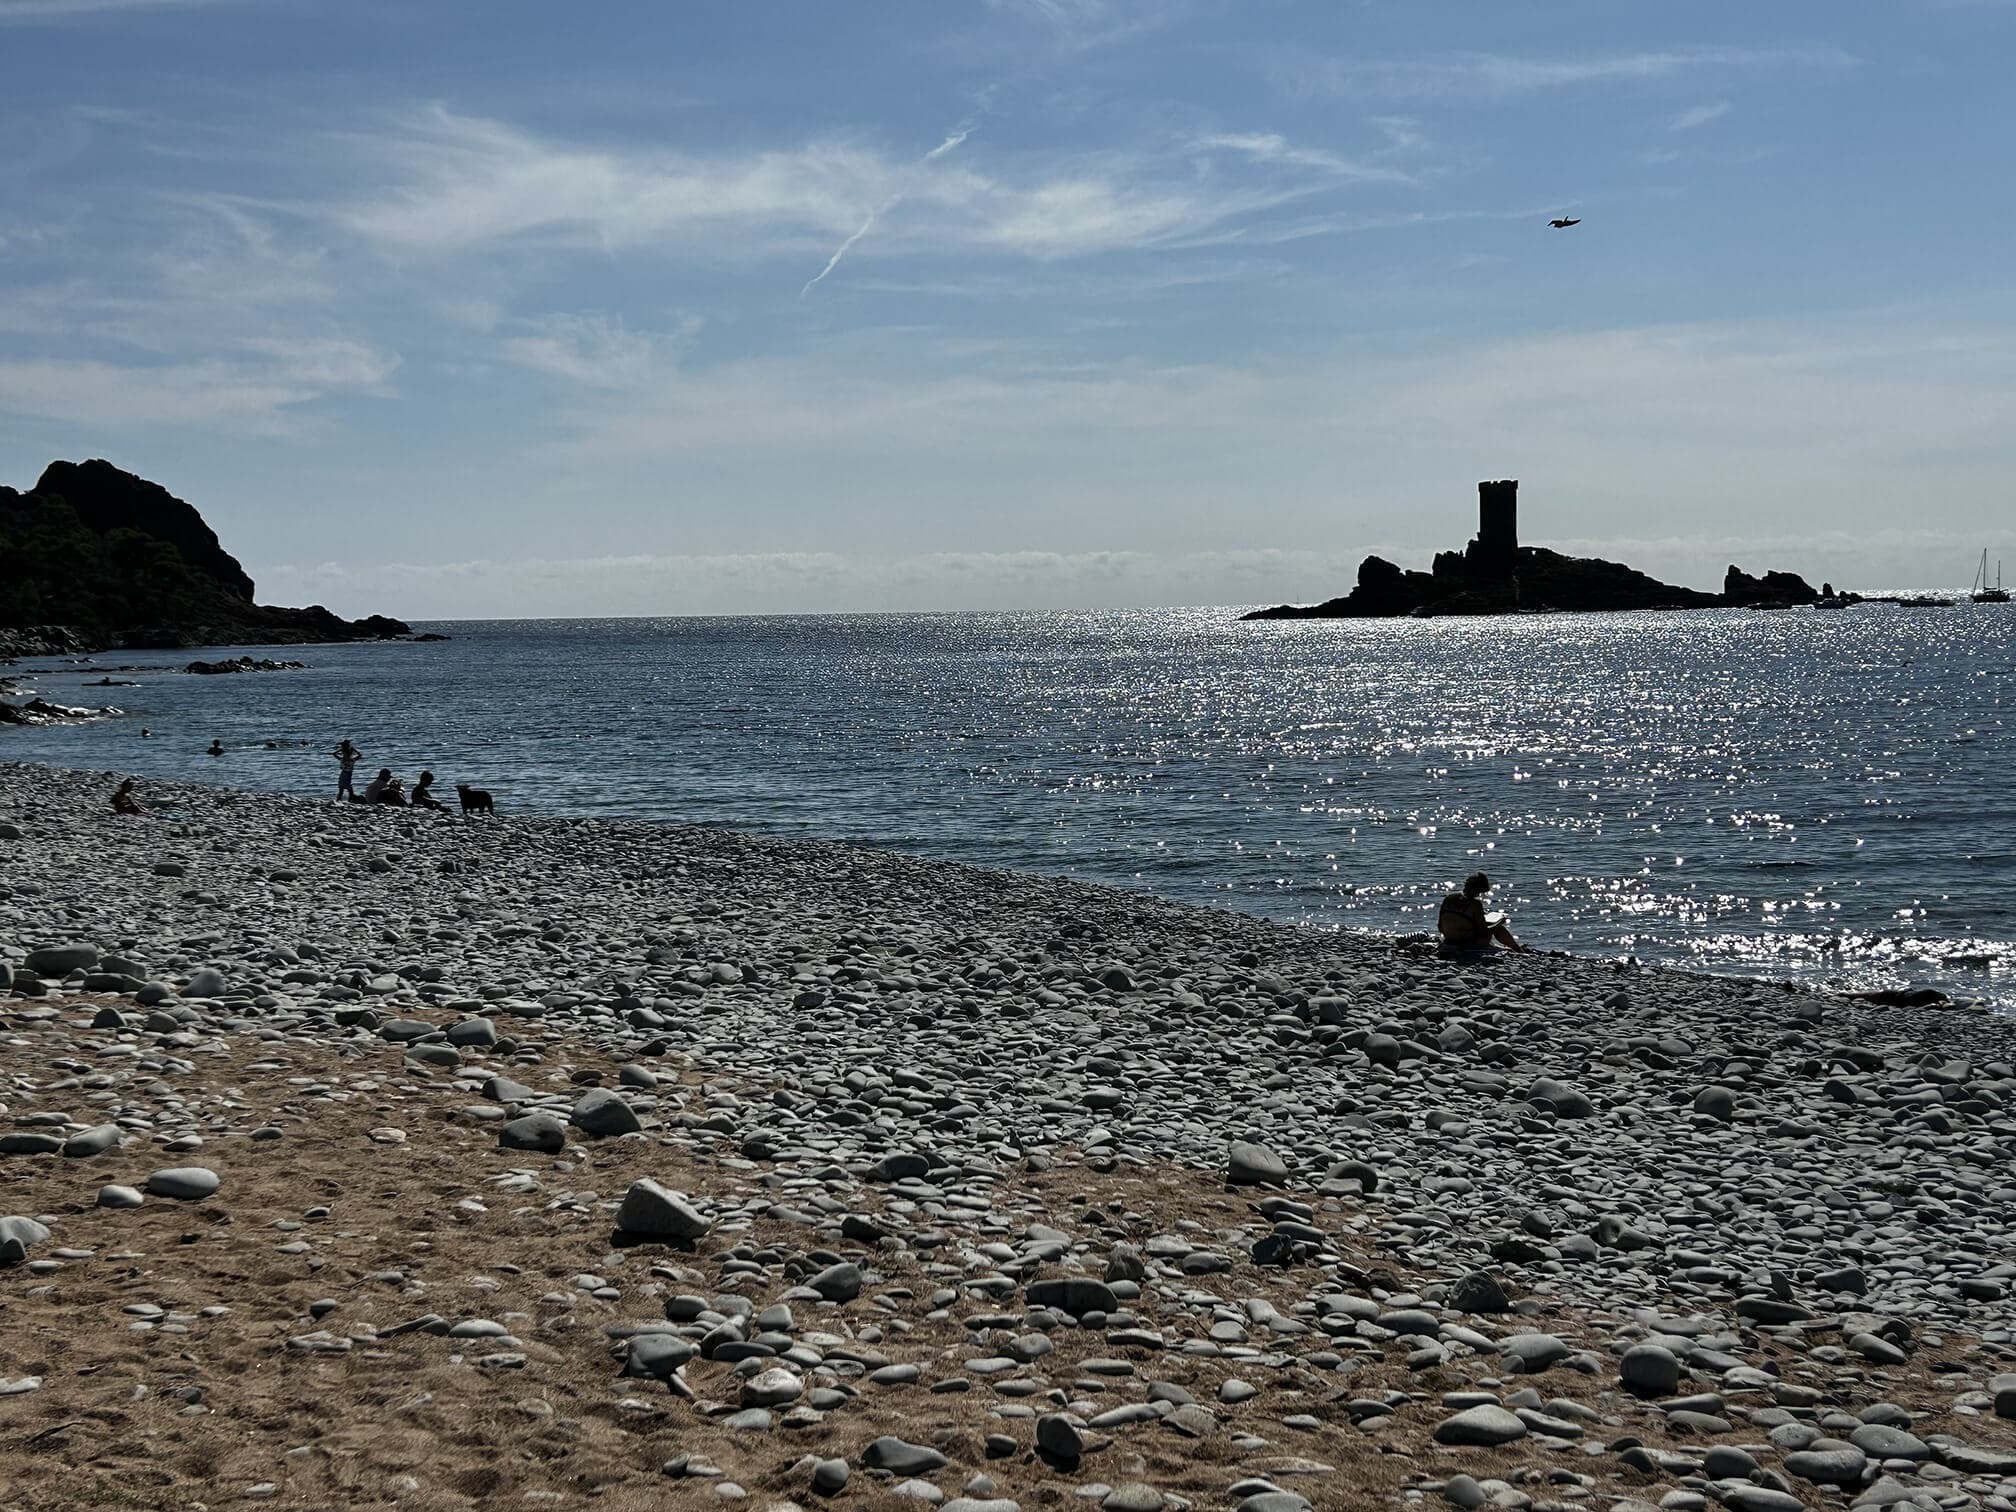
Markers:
point(398, 1158)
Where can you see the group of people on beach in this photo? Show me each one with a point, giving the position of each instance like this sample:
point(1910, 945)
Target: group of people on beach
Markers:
point(384, 788)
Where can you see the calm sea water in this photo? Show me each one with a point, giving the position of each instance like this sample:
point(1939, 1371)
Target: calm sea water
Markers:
point(1803, 793)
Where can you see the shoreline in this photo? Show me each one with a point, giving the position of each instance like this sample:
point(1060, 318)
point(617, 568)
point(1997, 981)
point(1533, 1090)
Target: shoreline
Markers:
point(1022, 1188)
point(1338, 930)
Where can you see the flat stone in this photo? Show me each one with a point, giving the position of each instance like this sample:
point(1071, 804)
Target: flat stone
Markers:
point(538, 1132)
point(892, 1454)
point(1480, 1426)
point(1254, 1165)
point(185, 1183)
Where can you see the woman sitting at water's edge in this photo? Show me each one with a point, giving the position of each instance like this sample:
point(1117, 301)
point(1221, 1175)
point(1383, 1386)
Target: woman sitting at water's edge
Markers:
point(1463, 923)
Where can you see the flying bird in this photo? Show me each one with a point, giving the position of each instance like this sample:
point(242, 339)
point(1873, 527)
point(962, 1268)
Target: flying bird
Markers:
point(1565, 222)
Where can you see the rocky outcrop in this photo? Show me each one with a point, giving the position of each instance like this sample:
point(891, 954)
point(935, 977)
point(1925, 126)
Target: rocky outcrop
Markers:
point(39, 711)
point(39, 640)
point(106, 499)
point(242, 664)
point(1740, 590)
point(1538, 581)
point(97, 557)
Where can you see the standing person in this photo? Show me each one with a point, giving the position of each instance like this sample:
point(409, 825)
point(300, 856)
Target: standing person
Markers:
point(347, 757)
point(1463, 923)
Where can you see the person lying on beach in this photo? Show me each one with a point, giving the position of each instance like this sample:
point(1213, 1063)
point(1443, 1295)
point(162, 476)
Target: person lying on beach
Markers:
point(423, 794)
point(123, 801)
point(1463, 923)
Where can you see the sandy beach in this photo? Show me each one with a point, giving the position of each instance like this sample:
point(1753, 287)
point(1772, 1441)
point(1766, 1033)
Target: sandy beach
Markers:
point(355, 1157)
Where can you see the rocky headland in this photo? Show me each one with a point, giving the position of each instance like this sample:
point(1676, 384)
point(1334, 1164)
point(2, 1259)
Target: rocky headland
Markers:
point(99, 558)
point(1494, 574)
point(360, 1157)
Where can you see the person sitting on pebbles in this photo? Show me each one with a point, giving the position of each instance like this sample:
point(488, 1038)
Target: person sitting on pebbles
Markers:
point(1463, 923)
point(377, 787)
point(423, 794)
point(123, 801)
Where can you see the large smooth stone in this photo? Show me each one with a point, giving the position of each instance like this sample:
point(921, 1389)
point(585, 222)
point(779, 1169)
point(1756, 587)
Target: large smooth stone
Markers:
point(659, 1213)
point(58, 961)
point(601, 1112)
point(1481, 1426)
point(16, 1235)
point(535, 1131)
point(1254, 1165)
point(186, 1183)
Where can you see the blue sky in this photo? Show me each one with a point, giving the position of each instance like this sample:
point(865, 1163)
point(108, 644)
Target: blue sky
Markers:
point(509, 308)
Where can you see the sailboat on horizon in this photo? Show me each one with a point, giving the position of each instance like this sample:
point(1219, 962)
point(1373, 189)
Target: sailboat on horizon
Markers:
point(1983, 594)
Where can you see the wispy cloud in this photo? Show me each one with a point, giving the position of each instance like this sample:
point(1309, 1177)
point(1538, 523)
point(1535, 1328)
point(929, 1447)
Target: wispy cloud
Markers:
point(597, 351)
point(1495, 76)
point(1700, 115)
point(1085, 25)
point(61, 10)
point(460, 183)
point(255, 388)
point(1272, 147)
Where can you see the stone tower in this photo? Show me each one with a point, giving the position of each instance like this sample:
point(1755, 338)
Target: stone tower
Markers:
point(1496, 548)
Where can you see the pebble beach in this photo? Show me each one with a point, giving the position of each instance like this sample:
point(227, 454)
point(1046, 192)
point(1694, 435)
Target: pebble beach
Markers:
point(358, 1157)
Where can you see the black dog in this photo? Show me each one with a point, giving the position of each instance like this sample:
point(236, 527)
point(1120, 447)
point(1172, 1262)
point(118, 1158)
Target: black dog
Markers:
point(474, 800)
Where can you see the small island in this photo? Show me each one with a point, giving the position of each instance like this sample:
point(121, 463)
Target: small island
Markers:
point(100, 559)
point(1494, 574)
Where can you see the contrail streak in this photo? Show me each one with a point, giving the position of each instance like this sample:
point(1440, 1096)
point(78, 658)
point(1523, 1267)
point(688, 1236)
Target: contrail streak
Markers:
point(958, 134)
point(834, 261)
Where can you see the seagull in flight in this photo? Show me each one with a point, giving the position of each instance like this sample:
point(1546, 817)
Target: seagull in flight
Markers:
point(1564, 222)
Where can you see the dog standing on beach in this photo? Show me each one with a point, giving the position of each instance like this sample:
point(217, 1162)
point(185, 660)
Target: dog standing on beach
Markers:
point(474, 800)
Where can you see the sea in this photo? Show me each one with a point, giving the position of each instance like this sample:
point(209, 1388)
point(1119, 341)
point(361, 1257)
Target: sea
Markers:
point(1819, 795)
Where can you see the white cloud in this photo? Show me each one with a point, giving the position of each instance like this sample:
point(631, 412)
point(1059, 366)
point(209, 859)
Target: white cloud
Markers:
point(1272, 147)
point(1496, 76)
point(255, 388)
point(1700, 115)
point(462, 183)
point(62, 10)
point(596, 350)
point(1079, 26)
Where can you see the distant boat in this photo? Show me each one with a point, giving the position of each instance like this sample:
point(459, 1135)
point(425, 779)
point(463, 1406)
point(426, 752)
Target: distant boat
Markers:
point(1983, 594)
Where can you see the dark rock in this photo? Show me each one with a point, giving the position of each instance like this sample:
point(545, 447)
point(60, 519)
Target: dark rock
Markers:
point(653, 1211)
point(541, 1132)
point(1076, 1295)
point(1254, 1165)
point(1479, 1292)
point(899, 1458)
point(141, 568)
